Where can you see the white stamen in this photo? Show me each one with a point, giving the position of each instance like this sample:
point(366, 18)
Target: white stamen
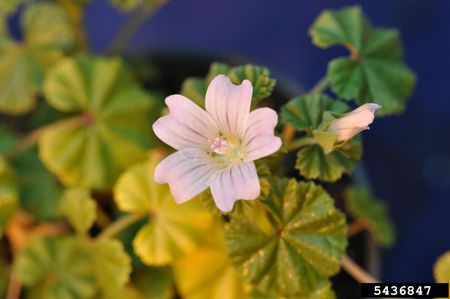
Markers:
point(219, 145)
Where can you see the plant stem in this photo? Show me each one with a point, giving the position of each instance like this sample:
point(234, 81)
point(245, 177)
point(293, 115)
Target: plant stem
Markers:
point(289, 131)
point(320, 86)
point(119, 225)
point(14, 287)
point(358, 273)
point(131, 26)
point(301, 143)
point(356, 227)
point(32, 138)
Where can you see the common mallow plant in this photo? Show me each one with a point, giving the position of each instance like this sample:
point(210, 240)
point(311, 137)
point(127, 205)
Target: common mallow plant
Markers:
point(230, 198)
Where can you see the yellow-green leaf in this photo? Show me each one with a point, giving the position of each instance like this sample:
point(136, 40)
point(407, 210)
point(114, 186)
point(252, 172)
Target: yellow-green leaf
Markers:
point(195, 88)
point(207, 273)
point(111, 264)
point(314, 163)
point(46, 36)
point(8, 194)
point(112, 130)
point(323, 291)
point(297, 248)
point(79, 208)
point(172, 230)
point(154, 282)
point(362, 205)
point(442, 269)
point(55, 268)
point(375, 71)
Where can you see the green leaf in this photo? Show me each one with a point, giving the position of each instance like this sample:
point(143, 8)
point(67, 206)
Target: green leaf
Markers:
point(208, 273)
point(112, 131)
point(260, 78)
point(305, 113)
point(323, 291)
point(325, 140)
point(8, 194)
point(195, 88)
point(314, 163)
point(111, 264)
point(79, 208)
point(173, 230)
point(215, 69)
point(301, 247)
point(39, 190)
point(55, 268)
point(47, 36)
point(154, 282)
point(375, 71)
point(442, 268)
point(363, 206)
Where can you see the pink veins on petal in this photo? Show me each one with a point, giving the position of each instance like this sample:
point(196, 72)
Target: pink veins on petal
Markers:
point(216, 147)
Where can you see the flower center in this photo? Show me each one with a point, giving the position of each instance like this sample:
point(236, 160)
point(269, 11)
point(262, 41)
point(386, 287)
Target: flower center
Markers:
point(227, 151)
point(219, 145)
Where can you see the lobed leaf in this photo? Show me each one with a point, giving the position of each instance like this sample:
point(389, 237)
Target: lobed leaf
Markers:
point(111, 264)
point(79, 208)
point(297, 247)
point(173, 230)
point(39, 190)
point(375, 71)
point(46, 36)
point(54, 268)
point(88, 151)
point(314, 163)
point(195, 88)
point(305, 113)
point(362, 205)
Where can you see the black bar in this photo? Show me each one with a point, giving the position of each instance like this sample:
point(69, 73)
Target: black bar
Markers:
point(404, 290)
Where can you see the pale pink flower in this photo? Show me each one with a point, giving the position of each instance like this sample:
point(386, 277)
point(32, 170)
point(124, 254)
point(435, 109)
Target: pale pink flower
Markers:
point(354, 122)
point(216, 148)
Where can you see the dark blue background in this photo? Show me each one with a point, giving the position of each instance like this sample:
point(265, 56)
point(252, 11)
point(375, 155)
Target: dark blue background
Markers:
point(408, 156)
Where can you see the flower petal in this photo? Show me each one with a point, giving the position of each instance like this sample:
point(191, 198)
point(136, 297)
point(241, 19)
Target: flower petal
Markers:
point(229, 104)
point(188, 172)
point(260, 140)
point(232, 184)
point(186, 125)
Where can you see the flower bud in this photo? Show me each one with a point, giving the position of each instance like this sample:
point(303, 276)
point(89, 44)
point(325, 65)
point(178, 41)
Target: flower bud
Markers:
point(353, 122)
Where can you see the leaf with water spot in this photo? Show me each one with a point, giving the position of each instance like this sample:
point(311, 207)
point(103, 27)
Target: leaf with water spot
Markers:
point(299, 245)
